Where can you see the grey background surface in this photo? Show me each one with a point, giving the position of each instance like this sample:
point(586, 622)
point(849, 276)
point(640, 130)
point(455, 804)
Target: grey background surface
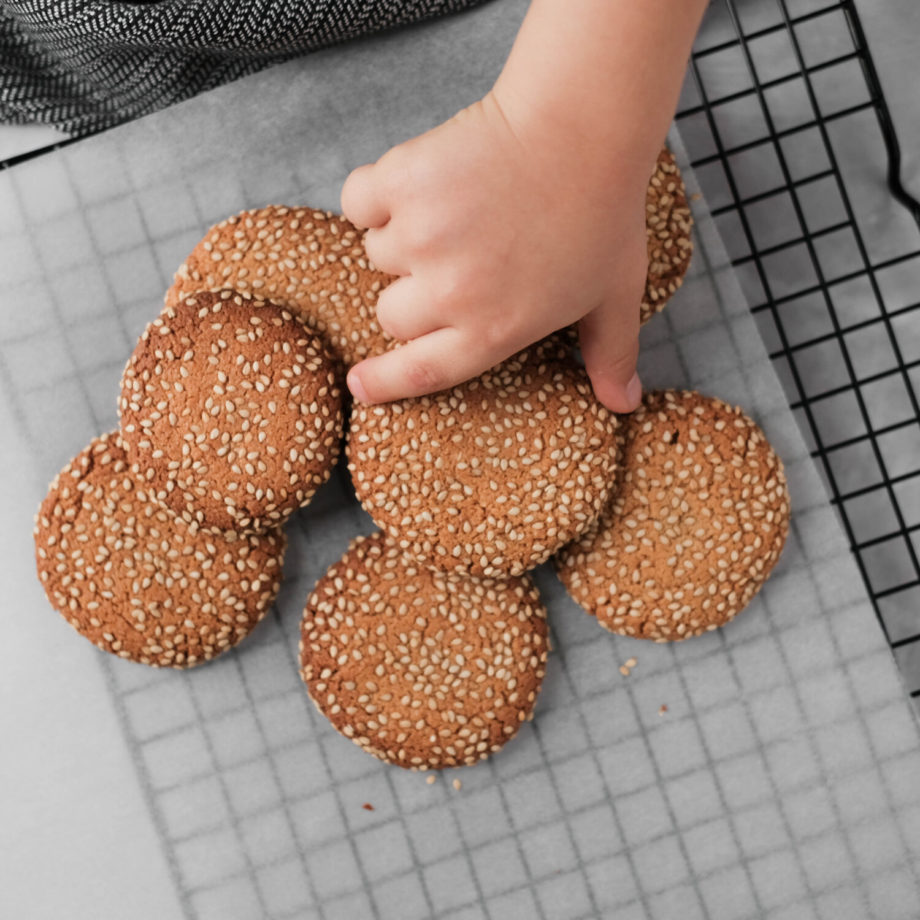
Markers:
point(780, 782)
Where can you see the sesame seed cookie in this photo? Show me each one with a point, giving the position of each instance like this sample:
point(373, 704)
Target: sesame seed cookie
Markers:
point(137, 583)
point(309, 261)
point(422, 669)
point(492, 476)
point(231, 412)
point(668, 222)
point(697, 523)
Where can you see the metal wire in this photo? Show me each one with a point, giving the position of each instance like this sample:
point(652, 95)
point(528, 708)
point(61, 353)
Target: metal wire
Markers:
point(793, 356)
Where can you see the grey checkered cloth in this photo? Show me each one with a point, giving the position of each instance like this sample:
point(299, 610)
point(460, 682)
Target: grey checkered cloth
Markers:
point(85, 65)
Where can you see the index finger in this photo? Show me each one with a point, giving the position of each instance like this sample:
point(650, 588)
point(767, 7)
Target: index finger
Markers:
point(433, 362)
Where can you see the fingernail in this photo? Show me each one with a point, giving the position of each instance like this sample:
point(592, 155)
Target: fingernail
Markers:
point(634, 390)
point(356, 387)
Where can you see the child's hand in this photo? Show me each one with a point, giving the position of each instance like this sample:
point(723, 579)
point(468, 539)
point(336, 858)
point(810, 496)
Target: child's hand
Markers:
point(526, 212)
point(501, 232)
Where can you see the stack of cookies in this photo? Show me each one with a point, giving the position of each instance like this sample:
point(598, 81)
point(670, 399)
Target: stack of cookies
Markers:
point(161, 542)
point(663, 524)
point(427, 642)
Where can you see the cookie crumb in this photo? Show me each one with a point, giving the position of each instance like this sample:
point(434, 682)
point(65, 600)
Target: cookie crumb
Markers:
point(367, 806)
point(457, 784)
point(430, 779)
point(662, 709)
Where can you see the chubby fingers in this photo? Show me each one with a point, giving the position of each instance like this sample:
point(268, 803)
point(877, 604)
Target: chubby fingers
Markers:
point(386, 251)
point(436, 361)
point(364, 201)
point(609, 340)
point(406, 311)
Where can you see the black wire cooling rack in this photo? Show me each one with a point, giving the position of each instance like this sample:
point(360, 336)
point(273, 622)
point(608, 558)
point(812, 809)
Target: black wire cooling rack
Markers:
point(781, 101)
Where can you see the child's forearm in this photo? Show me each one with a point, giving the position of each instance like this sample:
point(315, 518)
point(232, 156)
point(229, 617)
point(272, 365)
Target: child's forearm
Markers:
point(604, 75)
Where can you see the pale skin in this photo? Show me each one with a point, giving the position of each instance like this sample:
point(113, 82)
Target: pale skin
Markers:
point(525, 212)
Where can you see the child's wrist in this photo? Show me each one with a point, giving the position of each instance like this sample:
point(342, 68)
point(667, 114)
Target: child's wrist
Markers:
point(599, 155)
point(601, 81)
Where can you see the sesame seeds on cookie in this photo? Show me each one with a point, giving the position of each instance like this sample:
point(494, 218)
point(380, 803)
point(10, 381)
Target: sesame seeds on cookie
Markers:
point(489, 477)
point(231, 412)
point(311, 262)
point(697, 523)
point(668, 222)
point(137, 583)
point(422, 669)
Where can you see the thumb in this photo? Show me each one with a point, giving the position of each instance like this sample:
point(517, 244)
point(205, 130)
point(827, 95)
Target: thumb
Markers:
point(609, 340)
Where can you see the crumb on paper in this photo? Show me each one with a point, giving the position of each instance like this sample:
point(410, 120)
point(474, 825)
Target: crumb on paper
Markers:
point(367, 806)
point(662, 709)
point(457, 784)
point(431, 778)
point(696, 196)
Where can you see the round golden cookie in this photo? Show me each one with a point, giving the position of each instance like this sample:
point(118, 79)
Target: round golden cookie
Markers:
point(231, 412)
point(421, 669)
point(696, 524)
point(309, 261)
point(668, 223)
point(137, 583)
point(492, 476)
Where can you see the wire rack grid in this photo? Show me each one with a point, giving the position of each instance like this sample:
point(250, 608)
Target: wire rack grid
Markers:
point(781, 111)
